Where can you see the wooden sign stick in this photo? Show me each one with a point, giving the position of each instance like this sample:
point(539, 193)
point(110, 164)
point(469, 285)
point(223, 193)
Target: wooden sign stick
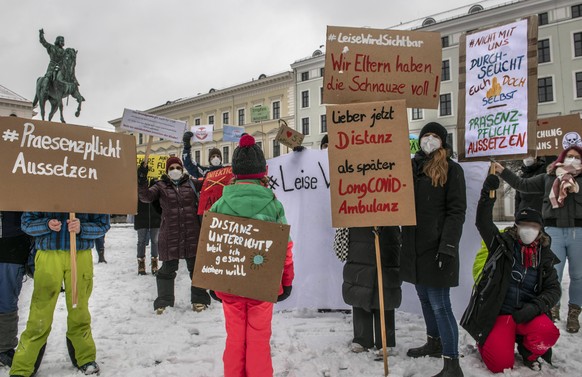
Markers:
point(148, 150)
point(381, 299)
point(73, 252)
point(492, 171)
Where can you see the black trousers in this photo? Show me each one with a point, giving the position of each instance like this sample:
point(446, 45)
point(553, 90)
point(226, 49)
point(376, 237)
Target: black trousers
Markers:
point(165, 281)
point(367, 329)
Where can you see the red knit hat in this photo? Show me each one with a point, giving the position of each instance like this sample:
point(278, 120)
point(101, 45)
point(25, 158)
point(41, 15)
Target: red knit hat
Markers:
point(173, 160)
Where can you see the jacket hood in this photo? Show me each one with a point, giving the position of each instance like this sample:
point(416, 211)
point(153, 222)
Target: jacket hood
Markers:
point(247, 198)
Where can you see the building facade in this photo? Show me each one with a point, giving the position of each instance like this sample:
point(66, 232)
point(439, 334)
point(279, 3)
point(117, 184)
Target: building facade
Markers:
point(12, 104)
point(273, 97)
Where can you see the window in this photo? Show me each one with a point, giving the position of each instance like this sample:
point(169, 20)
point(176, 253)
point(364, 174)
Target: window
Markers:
point(543, 19)
point(197, 157)
point(305, 126)
point(544, 51)
point(445, 41)
point(320, 95)
point(276, 110)
point(241, 117)
point(197, 121)
point(416, 114)
point(260, 144)
point(577, 44)
point(211, 119)
point(225, 155)
point(446, 70)
point(276, 148)
point(445, 105)
point(304, 76)
point(305, 98)
point(545, 90)
point(225, 117)
point(323, 124)
point(140, 139)
point(321, 72)
point(578, 84)
point(576, 11)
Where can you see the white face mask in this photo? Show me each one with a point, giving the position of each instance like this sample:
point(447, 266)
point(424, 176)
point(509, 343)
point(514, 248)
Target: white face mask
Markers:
point(528, 161)
point(429, 144)
point(572, 161)
point(175, 174)
point(215, 161)
point(527, 234)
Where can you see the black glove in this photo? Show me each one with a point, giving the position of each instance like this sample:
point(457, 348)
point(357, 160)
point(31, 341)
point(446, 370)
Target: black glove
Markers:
point(186, 139)
point(526, 313)
point(286, 293)
point(298, 148)
point(491, 182)
point(214, 296)
point(142, 175)
point(444, 260)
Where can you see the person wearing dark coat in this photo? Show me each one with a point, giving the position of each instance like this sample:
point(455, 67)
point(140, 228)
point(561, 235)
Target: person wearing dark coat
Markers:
point(147, 224)
point(179, 230)
point(515, 290)
point(430, 250)
point(360, 286)
point(530, 168)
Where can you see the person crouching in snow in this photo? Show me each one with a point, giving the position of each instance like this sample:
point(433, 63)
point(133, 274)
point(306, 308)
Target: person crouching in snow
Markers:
point(248, 321)
point(517, 288)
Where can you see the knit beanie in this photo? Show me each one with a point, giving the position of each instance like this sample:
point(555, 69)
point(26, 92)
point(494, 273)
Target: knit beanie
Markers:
point(530, 215)
point(437, 129)
point(173, 160)
point(214, 151)
point(248, 160)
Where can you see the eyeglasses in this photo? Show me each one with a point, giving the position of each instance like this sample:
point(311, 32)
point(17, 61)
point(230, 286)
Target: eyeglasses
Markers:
point(174, 168)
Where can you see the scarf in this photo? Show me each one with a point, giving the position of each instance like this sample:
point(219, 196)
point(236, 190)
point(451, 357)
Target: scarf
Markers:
point(563, 184)
point(530, 254)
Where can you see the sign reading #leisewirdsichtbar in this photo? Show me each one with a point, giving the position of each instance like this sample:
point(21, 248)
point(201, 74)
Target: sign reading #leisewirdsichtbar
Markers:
point(55, 167)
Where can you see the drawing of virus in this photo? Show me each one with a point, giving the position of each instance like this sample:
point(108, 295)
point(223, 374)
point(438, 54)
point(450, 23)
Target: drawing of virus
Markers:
point(258, 260)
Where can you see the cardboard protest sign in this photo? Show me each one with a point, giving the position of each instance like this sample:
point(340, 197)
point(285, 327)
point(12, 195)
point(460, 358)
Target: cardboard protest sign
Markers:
point(156, 164)
point(241, 256)
point(202, 134)
point(232, 133)
point(365, 65)
point(558, 133)
point(289, 137)
point(498, 91)
point(369, 165)
point(214, 182)
point(57, 167)
point(153, 125)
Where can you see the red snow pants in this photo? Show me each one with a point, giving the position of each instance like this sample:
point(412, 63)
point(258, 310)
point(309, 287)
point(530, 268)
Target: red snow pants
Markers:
point(248, 335)
point(539, 335)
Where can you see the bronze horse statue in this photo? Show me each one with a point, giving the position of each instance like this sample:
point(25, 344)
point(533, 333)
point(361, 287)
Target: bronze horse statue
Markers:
point(62, 86)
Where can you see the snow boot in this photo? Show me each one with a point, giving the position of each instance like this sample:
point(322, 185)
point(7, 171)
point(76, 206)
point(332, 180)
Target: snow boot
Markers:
point(6, 357)
point(141, 269)
point(154, 265)
point(451, 368)
point(555, 313)
point(101, 254)
point(572, 324)
point(90, 368)
point(432, 348)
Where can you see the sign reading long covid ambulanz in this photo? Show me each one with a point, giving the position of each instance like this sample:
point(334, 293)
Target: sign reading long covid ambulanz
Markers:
point(497, 92)
point(366, 65)
point(55, 167)
point(369, 165)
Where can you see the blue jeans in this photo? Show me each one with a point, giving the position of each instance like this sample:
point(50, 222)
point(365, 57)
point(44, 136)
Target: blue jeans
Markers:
point(100, 243)
point(143, 235)
point(10, 285)
point(439, 318)
point(567, 244)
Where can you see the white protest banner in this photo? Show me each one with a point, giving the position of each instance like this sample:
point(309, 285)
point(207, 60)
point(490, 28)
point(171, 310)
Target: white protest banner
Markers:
point(202, 134)
point(497, 102)
point(232, 133)
point(57, 167)
point(153, 125)
point(300, 181)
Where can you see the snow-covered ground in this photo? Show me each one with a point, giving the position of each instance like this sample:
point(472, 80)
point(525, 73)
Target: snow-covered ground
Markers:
point(133, 341)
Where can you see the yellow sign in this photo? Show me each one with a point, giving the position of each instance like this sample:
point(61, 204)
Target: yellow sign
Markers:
point(156, 164)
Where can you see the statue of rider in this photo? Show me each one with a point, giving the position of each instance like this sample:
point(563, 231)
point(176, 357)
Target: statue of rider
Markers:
point(57, 54)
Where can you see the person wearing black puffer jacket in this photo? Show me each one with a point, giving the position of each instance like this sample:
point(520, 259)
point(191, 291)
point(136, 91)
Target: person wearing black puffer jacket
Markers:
point(147, 224)
point(515, 290)
point(360, 286)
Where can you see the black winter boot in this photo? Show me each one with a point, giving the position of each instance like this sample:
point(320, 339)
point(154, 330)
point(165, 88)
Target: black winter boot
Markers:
point(141, 269)
point(451, 368)
point(101, 254)
point(432, 348)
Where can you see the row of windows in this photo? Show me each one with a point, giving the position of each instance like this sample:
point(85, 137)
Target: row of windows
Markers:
point(275, 111)
point(305, 75)
point(305, 125)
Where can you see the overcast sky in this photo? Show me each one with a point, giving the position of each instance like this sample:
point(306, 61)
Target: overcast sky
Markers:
point(140, 54)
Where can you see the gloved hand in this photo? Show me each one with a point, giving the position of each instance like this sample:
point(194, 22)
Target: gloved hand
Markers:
point(186, 139)
point(286, 293)
point(142, 175)
point(298, 148)
point(214, 296)
point(526, 313)
point(444, 260)
point(491, 182)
